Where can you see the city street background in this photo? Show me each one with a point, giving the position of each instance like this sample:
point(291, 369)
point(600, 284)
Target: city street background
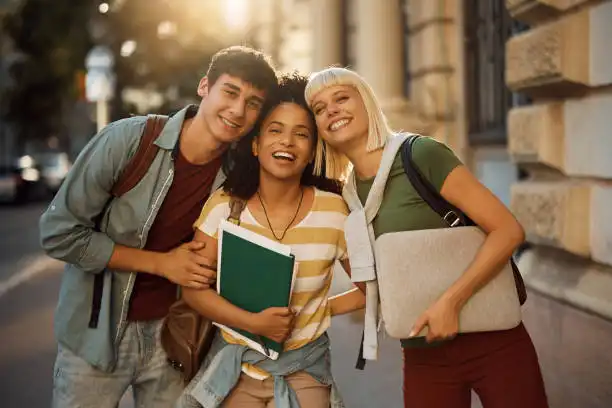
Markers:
point(29, 283)
point(521, 91)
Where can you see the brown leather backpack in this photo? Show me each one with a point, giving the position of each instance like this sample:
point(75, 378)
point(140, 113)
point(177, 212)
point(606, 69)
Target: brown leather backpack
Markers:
point(186, 335)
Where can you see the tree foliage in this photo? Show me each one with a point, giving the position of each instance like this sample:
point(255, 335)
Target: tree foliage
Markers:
point(53, 39)
point(163, 62)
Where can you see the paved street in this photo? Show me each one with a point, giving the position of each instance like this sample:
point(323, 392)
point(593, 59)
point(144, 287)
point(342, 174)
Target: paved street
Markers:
point(19, 238)
point(27, 300)
point(29, 285)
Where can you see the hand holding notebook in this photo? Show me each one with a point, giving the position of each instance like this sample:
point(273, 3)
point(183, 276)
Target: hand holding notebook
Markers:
point(255, 274)
point(274, 323)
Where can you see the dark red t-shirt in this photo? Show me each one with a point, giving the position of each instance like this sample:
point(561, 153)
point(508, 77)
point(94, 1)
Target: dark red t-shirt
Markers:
point(152, 295)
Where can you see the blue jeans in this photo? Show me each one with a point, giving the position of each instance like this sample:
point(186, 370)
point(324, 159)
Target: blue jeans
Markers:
point(141, 363)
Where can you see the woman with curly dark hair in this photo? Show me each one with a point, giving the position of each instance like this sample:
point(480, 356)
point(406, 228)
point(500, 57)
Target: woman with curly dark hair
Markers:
point(289, 180)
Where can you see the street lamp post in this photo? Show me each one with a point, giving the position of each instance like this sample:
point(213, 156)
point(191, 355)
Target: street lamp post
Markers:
point(100, 81)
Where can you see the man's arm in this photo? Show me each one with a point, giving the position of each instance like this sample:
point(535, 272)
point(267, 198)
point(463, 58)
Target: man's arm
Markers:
point(68, 226)
point(182, 265)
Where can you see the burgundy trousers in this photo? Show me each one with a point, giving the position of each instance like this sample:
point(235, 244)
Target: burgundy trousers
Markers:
point(501, 367)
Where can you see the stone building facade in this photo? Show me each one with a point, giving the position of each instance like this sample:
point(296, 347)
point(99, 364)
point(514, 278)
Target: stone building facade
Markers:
point(522, 91)
point(563, 140)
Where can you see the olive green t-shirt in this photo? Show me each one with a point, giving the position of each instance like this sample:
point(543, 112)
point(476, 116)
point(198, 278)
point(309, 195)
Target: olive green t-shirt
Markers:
point(402, 208)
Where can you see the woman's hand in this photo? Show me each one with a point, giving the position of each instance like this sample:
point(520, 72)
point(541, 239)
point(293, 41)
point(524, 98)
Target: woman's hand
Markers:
point(274, 323)
point(442, 320)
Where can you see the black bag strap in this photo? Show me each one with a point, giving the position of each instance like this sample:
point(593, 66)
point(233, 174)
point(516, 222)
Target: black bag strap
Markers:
point(361, 362)
point(453, 216)
point(449, 213)
point(133, 172)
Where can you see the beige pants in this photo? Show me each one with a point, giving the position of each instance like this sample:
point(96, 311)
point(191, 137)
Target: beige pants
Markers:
point(252, 393)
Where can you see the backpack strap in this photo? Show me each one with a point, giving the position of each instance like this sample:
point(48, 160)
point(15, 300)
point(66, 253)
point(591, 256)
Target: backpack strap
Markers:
point(449, 213)
point(138, 165)
point(453, 216)
point(131, 175)
point(237, 205)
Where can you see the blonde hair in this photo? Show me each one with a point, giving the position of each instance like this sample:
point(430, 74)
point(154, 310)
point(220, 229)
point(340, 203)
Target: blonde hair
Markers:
point(336, 164)
point(379, 131)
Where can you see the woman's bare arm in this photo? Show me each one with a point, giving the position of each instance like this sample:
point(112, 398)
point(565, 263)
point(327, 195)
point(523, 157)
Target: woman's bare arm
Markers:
point(504, 235)
point(349, 301)
point(346, 265)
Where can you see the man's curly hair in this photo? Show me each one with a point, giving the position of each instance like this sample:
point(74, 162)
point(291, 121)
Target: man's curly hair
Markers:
point(243, 169)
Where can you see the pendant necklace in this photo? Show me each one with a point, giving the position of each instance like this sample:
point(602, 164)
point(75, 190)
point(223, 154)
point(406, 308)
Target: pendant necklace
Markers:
point(288, 225)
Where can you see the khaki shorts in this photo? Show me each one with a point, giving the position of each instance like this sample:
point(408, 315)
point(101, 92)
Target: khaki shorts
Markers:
point(252, 393)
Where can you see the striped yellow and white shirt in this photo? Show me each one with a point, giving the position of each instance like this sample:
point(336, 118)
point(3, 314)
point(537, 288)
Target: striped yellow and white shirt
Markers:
point(317, 242)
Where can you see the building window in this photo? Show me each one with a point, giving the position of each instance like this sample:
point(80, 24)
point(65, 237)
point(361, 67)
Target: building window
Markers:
point(487, 28)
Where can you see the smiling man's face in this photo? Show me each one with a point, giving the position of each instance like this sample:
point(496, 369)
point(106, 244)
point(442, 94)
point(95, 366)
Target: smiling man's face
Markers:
point(230, 107)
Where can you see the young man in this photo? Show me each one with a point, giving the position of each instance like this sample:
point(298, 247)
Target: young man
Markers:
point(142, 245)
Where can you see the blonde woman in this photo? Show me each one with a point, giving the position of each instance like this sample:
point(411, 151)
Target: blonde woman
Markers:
point(441, 369)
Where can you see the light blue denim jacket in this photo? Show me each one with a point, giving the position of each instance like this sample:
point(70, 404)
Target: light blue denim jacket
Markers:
point(222, 368)
point(68, 234)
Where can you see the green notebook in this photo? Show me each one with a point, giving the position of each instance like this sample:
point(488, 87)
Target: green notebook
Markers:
point(254, 273)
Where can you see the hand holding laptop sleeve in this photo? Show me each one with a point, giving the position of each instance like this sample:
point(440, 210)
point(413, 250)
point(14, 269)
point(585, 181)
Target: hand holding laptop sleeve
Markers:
point(416, 267)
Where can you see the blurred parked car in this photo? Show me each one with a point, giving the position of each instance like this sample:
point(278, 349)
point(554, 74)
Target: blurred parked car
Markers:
point(54, 166)
point(20, 181)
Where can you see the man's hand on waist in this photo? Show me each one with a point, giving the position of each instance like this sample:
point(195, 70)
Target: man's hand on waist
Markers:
point(182, 265)
point(185, 267)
